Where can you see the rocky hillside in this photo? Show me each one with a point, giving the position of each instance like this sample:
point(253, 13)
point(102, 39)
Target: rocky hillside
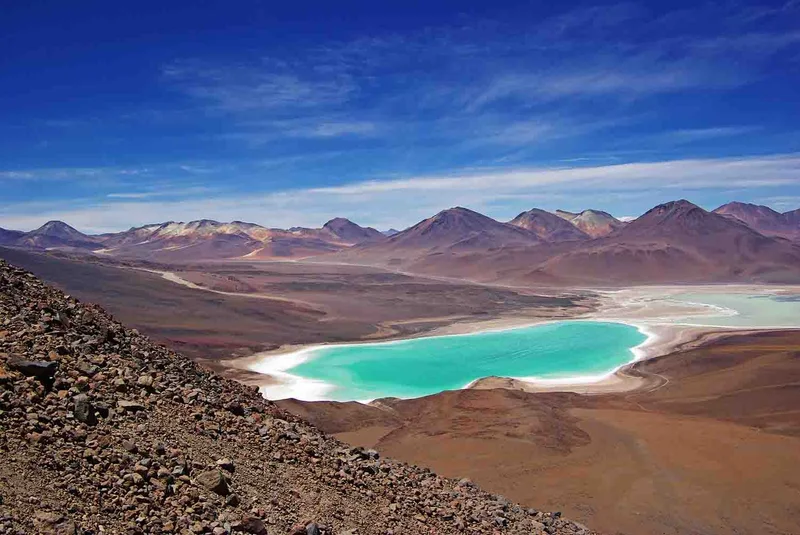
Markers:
point(102, 431)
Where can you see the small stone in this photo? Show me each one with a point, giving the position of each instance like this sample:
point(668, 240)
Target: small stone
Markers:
point(252, 525)
point(130, 406)
point(226, 464)
point(84, 410)
point(235, 408)
point(214, 481)
point(53, 524)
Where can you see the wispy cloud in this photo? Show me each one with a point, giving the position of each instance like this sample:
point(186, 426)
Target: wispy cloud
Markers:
point(334, 129)
point(692, 135)
point(142, 195)
point(481, 72)
point(72, 174)
point(263, 85)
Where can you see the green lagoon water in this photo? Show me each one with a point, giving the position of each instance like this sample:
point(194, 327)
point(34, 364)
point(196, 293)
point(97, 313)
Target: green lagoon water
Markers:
point(423, 366)
point(751, 310)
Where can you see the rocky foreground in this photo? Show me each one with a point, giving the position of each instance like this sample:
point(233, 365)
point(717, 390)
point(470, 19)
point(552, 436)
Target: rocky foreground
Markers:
point(102, 431)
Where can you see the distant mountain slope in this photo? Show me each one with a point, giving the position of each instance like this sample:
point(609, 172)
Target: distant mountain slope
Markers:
point(9, 237)
point(461, 228)
point(450, 232)
point(678, 242)
point(595, 223)
point(203, 239)
point(764, 219)
point(349, 232)
point(548, 227)
point(207, 239)
point(674, 242)
point(57, 234)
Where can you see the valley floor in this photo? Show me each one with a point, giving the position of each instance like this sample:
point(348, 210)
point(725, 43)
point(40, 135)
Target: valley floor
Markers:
point(702, 437)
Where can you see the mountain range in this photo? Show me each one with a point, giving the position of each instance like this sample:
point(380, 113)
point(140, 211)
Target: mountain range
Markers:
point(673, 242)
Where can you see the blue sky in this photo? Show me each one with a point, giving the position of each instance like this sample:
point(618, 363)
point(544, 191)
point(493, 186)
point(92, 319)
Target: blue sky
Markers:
point(121, 114)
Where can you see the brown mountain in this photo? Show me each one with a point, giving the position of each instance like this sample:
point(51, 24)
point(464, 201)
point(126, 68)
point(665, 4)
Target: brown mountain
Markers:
point(57, 234)
point(595, 223)
point(442, 246)
point(764, 219)
point(548, 227)
point(678, 242)
point(437, 244)
point(349, 232)
point(793, 217)
point(206, 239)
point(460, 229)
point(674, 242)
point(9, 237)
point(177, 241)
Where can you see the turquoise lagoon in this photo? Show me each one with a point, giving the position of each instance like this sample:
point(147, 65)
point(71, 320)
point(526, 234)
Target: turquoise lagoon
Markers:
point(423, 366)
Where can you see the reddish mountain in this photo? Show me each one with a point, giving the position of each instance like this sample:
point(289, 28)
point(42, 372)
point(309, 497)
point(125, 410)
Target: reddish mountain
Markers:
point(678, 242)
point(57, 235)
point(764, 219)
point(792, 217)
point(349, 232)
point(9, 237)
point(438, 245)
point(673, 242)
point(548, 227)
point(595, 223)
point(459, 229)
point(206, 239)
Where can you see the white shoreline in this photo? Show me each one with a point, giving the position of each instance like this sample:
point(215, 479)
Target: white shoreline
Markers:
point(306, 389)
